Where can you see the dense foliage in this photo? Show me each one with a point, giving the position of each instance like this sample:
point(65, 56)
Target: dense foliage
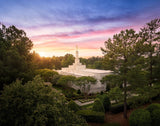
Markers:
point(35, 104)
point(106, 103)
point(15, 56)
point(93, 62)
point(85, 82)
point(57, 63)
point(154, 110)
point(66, 80)
point(92, 116)
point(98, 106)
point(67, 60)
point(73, 106)
point(140, 117)
point(155, 117)
point(48, 75)
point(133, 58)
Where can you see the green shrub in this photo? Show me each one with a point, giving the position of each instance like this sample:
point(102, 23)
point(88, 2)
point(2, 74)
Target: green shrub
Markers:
point(100, 97)
point(98, 106)
point(73, 106)
point(154, 110)
point(117, 108)
point(155, 117)
point(92, 116)
point(153, 107)
point(140, 117)
point(106, 103)
point(78, 91)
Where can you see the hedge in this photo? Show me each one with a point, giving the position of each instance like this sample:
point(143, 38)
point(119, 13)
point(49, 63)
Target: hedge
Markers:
point(154, 110)
point(131, 103)
point(98, 106)
point(92, 116)
point(140, 117)
point(116, 108)
point(153, 107)
point(73, 106)
point(106, 103)
point(155, 117)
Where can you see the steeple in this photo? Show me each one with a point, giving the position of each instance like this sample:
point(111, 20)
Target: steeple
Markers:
point(77, 58)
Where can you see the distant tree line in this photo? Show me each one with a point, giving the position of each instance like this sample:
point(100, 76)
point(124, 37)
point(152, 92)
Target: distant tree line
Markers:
point(93, 62)
point(57, 63)
point(18, 62)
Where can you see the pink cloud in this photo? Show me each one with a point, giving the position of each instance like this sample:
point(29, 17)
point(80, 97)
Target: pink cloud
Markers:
point(66, 42)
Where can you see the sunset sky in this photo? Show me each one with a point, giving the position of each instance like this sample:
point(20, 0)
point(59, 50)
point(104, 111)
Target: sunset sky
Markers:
point(57, 26)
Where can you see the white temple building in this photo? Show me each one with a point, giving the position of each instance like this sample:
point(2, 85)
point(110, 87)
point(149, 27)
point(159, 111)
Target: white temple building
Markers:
point(78, 70)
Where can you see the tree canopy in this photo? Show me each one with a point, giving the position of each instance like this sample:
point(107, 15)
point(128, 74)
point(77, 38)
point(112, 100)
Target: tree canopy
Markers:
point(66, 80)
point(15, 56)
point(85, 82)
point(35, 104)
point(68, 60)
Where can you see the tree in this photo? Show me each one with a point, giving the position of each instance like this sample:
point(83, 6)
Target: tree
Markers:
point(57, 62)
point(15, 56)
point(35, 104)
point(68, 60)
point(111, 81)
point(156, 69)
point(66, 80)
point(92, 62)
point(121, 56)
point(115, 94)
point(85, 82)
point(47, 74)
point(150, 35)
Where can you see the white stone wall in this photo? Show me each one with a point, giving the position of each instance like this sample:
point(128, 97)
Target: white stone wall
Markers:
point(77, 69)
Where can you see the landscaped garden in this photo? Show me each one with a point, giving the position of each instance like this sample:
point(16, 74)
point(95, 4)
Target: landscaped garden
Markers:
point(43, 97)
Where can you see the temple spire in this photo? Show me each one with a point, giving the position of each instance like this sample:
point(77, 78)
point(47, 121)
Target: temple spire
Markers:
point(77, 58)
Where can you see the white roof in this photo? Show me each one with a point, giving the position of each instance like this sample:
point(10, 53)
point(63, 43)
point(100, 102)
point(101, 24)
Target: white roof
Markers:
point(97, 71)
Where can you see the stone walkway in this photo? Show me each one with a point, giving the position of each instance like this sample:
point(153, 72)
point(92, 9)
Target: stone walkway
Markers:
point(86, 103)
point(81, 104)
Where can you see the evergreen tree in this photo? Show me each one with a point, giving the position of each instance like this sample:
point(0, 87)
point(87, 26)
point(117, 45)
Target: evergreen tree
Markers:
point(150, 35)
point(121, 55)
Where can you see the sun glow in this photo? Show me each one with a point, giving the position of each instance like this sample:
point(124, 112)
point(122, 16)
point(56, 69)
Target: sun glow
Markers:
point(43, 54)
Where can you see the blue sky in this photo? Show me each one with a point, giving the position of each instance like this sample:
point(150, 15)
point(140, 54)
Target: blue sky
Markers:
point(56, 26)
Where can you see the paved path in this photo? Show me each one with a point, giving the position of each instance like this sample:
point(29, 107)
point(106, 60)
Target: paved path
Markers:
point(81, 104)
point(86, 103)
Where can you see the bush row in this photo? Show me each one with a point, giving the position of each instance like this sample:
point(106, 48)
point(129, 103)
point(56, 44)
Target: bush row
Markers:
point(131, 103)
point(146, 117)
point(92, 116)
point(116, 108)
